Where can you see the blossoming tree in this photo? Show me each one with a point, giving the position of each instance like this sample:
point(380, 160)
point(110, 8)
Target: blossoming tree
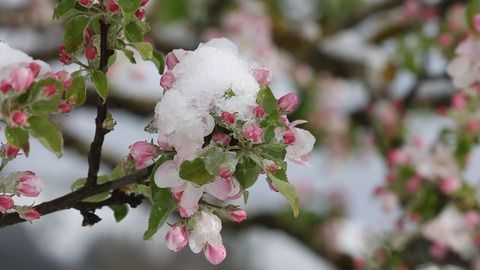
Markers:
point(219, 128)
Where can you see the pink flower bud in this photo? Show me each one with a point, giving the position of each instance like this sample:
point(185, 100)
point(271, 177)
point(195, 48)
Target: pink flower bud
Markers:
point(253, 132)
point(221, 138)
point(177, 237)
point(437, 251)
point(65, 77)
point(91, 52)
point(397, 157)
point(29, 184)
point(459, 101)
point(171, 60)
point(6, 203)
point(288, 103)
point(289, 137)
point(228, 118)
point(224, 173)
point(18, 119)
point(262, 75)
point(64, 107)
point(449, 185)
point(140, 13)
point(87, 36)
point(5, 86)
point(30, 214)
point(215, 255)
point(167, 80)
point(272, 168)
point(473, 126)
point(21, 79)
point(84, 2)
point(144, 2)
point(112, 6)
point(238, 215)
point(50, 90)
point(63, 56)
point(142, 152)
point(34, 68)
point(259, 111)
point(476, 22)
point(11, 151)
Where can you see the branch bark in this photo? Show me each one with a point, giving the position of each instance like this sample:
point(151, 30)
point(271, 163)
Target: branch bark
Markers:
point(74, 199)
point(95, 154)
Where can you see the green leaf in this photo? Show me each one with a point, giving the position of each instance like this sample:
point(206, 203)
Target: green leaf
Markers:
point(269, 103)
point(78, 89)
point(275, 151)
point(129, 6)
point(133, 32)
point(215, 157)
point(162, 205)
point(18, 138)
point(195, 171)
point(145, 49)
point(130, 55)
point(247, 172)
point(159, 61)
point(112, 59)
point(100, 81)
point(473, 8)
point(120, 211)
point(47, 133)
point(288, 191)
point(79, 183)
point(63, 7)
point(74, 30)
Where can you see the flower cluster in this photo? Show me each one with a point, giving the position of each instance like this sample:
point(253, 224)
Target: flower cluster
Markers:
point(223, 127)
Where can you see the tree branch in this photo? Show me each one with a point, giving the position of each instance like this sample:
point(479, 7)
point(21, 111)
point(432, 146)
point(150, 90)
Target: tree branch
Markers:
point(74, 198)
point(95, 154)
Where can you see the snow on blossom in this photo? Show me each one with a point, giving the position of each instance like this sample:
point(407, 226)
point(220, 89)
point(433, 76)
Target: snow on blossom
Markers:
point(464, 68)
point(451, 230)
point(13, 58)
point(206, 236)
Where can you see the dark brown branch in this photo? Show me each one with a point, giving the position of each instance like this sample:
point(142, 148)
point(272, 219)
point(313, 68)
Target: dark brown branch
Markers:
point(73, 199)
point(95, 154)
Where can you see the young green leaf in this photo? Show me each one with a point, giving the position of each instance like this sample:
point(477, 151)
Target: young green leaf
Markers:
point(133, 32)
point(120, 211)
point(145, 49)
point(100, 81)
point(158, 60)
point(63, 7)
point(195, 172)
point(129, 6)
point(18, 138)
point(267, 100)
point(247, 172)
point(78, 89)
point(74, 30)
point(47, 133)
point(288, 191)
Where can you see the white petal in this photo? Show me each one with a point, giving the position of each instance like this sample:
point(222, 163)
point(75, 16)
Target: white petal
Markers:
point(303, 145)
point(220, 188)
point(191, 196)
point(166, 175)
point(196, 241)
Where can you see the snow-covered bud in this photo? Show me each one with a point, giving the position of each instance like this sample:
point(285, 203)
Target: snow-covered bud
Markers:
point(18, 119)
point(289, 137)
point(228, 118)
point(85, 2)
point(253, 132)
point(140, 13)
point(167, 80)
point(21, 79)
point(64, 107)
point(171, 60)
point(259, 111)
point(215, 255)
point(11, 151)
point(28, 214)
point(28, 184)
point(449, 185)
point(262, 75)
point(142, 152)
point(177, 238)
point(288, 103)
point(237, 215)
point(476, 22)
point(49, 90)
point(34, 68)
point(91, 52)
point(5, 86)
point(112, 6)
point(221, 138)
point(6, 203)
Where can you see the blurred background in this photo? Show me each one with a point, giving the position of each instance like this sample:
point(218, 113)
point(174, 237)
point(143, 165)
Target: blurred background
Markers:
point(370, 74)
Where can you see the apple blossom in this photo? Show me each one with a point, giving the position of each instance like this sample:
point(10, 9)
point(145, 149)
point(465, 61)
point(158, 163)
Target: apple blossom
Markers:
point(5, 86)
point(171, 60)
point(6, 203)
point(140, 13)
point(21, 79)
point(221, 138)
point(91, 52)
point(18, 118)
point(259, 111)
point(49, 90)
point(301, 148)
point(112, 6)
point(28, 184)
point(288, 103)
point(253, 132)
point(228, 118)
point(262, 75)
point(34, 68)
point(142, 152)
point(448, 185)
point(11, 151)
point(206, 236)
point(237, 215)
point(177, 237)
point(28, 213)
point(215, 255)
point(167, 80)
point(289, 137)
point(464, 68)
